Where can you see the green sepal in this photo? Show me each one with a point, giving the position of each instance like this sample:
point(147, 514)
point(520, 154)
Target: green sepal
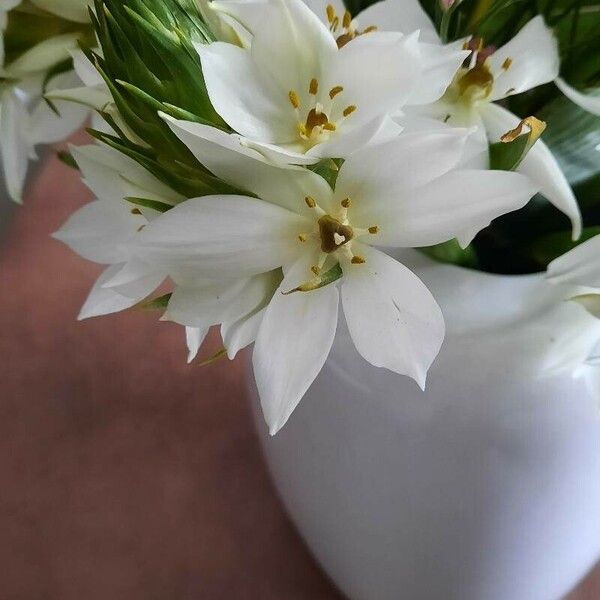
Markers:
point(320, 281)
point(159, 303)
point(509, 152)
point(156, 205)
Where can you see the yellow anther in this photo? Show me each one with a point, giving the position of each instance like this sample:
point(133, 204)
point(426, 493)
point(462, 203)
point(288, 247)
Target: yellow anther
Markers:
point(310, 202)
point(294, 100)
point(330, 127)
point(349, 110)
point(506, 64)
point(136, 211)
point(302, 237)
point(465, 46)
point(370, 29)
point(301, 129)
point(313, 88)
point(347, 21)
point(335, 24)
point(334, 91)
point(373, 230)
point(315, 269)
point(346, 203)
point(358, 260)
point(330, 13)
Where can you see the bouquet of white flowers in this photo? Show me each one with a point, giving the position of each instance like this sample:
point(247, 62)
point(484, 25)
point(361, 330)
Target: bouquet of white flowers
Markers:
point(264, 158)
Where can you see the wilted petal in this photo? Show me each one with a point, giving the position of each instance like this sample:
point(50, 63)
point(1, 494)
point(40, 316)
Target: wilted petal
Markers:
point(580, 266)
point(224, 236)
point(293, 342)
point(534, 60)
point(393, 319)
point(539, 164)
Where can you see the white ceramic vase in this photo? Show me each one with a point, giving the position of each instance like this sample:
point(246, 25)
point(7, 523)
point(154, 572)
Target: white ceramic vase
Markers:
point(486, 486)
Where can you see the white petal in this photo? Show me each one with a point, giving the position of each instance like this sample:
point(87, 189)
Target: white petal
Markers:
point(251, 105)
point(194, 337)
point(404, 16)
point(439, 66)
point(402, 164)
point(227, 158)
point(113, 176)
point(15, 147)
point(539, 164)
point(224, 236)
point(240, 332)
point(580, 266)
point(103, 301)
point(293, 342)
point(457, 202)
point(375, 91)
point(535, 60)
point(392, 317)
point(586, 101)
point(85, 69)
point(345, 144)
point(289, 41)
point(43, 56)
point(101, 230)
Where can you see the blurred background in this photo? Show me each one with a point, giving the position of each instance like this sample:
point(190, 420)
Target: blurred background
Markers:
point(125, 473)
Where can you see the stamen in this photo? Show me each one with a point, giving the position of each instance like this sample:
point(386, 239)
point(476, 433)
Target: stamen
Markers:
point(330, 126)
point(370, 29)
point(330, 13)
point(346, 203)
point(358, 260)
point(315, 269)
point(347, 21)
point(136, 211)
point(334, 91)
point(335, 24)
point(302, 130)
point(302, 237)
point(313, 89)
point(506, 64)
point(310, 202)
point(349, 110)
point(294, 100)
point(373, 230)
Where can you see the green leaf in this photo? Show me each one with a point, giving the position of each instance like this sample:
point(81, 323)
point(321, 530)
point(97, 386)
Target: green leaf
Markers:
point(509, 152)
point(550, 247)
point(451, 252)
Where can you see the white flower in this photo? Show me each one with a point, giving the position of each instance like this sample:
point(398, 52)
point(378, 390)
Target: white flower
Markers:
point(102, 230)
point(26, 121)
point(402, 193)
point(528, 60)
point(295, 96)
point(581, 267)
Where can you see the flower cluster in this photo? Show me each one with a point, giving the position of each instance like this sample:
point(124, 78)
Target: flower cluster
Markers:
point(38, 39)
point(266, 158)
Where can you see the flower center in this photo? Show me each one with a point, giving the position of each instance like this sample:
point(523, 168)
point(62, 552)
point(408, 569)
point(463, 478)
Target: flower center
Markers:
point(335, 233)
point(315, 122)
point(347, 32)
